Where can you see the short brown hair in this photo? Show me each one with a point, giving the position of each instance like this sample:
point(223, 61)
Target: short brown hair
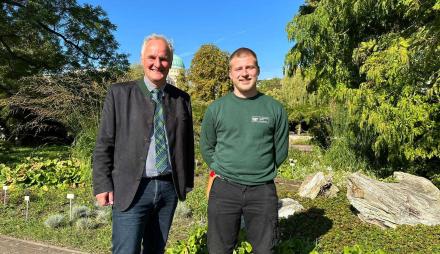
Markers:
point(241, 52)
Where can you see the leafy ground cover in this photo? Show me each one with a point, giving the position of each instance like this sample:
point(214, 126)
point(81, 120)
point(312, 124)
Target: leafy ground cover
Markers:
point(326, 225)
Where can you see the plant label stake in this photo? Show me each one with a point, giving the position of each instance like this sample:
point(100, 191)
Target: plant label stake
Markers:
point(5, 188)
point(70, 196)
point(291, 162)
point(26, 198)
point(195, 164)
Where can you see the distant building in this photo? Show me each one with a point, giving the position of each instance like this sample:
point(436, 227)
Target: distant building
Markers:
point(176, 67)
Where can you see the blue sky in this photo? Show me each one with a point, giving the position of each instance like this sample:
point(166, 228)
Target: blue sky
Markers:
point(259, 25)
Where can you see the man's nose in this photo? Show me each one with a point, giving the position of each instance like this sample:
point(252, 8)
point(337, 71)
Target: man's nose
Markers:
point(157, 62)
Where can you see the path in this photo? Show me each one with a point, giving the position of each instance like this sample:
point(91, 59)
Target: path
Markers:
point(9, 245)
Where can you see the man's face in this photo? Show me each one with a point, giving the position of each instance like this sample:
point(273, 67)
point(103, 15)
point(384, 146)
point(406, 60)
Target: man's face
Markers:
point(156, 60)
point(244, 74)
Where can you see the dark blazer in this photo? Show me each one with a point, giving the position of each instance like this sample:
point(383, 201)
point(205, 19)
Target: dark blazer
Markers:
point(124, 137)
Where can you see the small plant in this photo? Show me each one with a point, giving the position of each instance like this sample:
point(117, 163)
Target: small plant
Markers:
point(197, 244)
point(85, 223)
point(80, 212)
point(55, 221)
point(182, 211)
point(104, 215)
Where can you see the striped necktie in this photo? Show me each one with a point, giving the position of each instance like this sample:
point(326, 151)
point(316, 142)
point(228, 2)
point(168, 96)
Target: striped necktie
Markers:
point(159, 133)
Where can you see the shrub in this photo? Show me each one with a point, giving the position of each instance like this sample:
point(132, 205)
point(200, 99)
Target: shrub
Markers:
point(182, 211)
point(104, 215)
point(55, 221)
point(80, 212)
point(85, 223)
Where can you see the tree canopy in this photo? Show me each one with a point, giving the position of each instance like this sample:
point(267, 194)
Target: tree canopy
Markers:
point(54, 36)
point(381, 59)
point(208, 73)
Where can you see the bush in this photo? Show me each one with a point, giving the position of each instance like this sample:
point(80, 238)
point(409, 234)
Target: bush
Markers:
point(85, 223)
point(104, 215)
point(55, 221)
point(80, 212)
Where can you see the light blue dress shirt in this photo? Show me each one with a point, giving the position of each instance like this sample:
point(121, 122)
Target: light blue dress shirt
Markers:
point(150, 169)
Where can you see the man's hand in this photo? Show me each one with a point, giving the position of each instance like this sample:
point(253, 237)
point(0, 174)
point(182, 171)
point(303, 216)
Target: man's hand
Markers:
point(105, 198)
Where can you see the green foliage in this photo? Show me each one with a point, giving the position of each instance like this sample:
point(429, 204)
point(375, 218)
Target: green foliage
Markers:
point(339, 161)
point(182, 210)
point(197, 201)
point(356, 249)
point(55, 221)
point(54, 108)
point(197, 244)
point(182, 81)
point(104, 215)
point(85, 223)
point(381, 61)
point(52, 37)
point(136, 71)
point(267, 85)
point(208, 73)
point(42, 172)
point(80, 212)
point(302, 107)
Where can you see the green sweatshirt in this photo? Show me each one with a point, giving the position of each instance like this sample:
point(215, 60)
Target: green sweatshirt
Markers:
point(245, 140)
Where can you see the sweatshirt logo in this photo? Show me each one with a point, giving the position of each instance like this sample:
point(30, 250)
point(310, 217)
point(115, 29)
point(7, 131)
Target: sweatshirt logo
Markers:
point(260, 119)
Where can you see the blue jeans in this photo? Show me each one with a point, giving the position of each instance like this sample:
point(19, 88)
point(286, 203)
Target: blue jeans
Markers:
point(258, 205)
point(147, 220)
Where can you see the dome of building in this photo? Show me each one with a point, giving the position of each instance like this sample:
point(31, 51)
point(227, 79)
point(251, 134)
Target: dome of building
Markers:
point(177, 62)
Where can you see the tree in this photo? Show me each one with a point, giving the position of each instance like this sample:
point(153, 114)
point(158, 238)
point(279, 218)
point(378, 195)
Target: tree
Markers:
point(381, 60)
point(181, 81)
point(266, 85)
point(208, 73)
point(54, 36)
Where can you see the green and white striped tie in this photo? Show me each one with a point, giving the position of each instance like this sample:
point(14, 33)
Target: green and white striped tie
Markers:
point(159, 133)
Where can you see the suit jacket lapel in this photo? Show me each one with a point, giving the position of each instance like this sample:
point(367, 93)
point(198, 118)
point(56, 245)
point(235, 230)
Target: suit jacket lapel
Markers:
point(169, 113)
point(150, 108)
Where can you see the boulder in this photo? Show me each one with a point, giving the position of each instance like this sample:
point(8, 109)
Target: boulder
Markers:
point(412, 200)
point(317, 184)
point(288, 207)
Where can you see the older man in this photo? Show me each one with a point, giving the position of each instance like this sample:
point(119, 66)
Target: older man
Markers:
point(144, 155)
point(244, 139)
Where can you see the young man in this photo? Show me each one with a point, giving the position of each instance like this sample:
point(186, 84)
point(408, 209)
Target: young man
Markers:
point(244, 139)
point(144, 156)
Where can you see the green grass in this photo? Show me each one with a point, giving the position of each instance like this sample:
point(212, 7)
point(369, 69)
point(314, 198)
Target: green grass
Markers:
point(43, 204)
point(327, 225)
point(331, 224)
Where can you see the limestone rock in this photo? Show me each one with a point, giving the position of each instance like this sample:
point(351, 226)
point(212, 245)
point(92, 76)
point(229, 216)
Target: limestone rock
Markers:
point(288, 207)
point(317, 184)
point(413, 200)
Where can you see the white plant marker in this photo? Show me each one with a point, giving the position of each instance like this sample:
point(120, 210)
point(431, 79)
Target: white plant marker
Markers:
point(70, 196)
point(5, 188)
point(26, 198)
point(195, 164)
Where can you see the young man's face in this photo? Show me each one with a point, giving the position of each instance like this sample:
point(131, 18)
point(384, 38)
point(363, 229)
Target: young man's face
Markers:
point(156, 61)
point(244, 74)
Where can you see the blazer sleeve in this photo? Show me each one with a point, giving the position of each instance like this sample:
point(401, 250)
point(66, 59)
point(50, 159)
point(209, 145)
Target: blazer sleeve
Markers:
point(190, 147)
point(103, 156)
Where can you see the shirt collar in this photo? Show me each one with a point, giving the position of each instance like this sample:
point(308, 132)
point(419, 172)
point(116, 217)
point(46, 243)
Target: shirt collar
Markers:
point(150, 85)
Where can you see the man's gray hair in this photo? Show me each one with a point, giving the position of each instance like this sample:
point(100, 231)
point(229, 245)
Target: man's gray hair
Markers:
point(157, 37)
